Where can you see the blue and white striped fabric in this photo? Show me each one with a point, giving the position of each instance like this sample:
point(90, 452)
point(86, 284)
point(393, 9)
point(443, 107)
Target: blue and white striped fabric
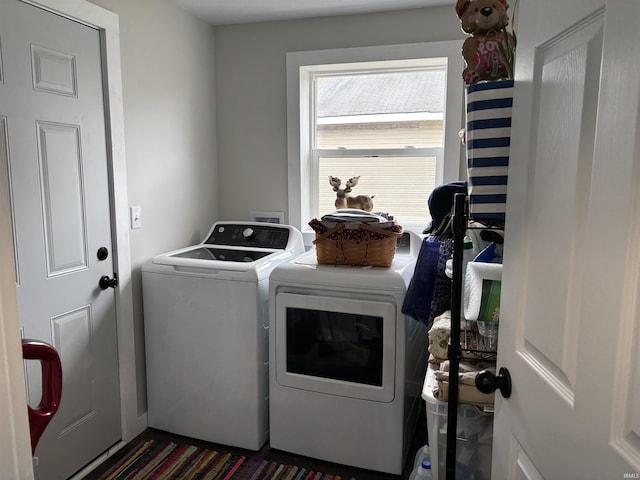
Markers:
point(488, 136)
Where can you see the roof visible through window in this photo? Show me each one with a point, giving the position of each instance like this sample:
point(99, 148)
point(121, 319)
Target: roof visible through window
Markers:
point(381, 93)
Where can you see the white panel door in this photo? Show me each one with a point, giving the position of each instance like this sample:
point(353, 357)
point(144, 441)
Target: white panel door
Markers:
point(569, 326)
point(52, 115)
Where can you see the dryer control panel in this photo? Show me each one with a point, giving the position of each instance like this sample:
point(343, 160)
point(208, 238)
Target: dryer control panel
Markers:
point(251, 235)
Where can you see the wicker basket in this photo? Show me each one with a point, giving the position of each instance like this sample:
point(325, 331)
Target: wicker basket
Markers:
point(371, 246)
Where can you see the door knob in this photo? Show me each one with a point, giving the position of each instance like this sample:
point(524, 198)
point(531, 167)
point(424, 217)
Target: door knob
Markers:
point(106, 282)
point(488, 382)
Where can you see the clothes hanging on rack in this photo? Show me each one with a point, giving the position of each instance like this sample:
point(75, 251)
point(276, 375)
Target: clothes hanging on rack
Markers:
point(429, 292)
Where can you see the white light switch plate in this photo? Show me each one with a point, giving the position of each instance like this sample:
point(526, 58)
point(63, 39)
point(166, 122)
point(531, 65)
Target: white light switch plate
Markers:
point(136, 217)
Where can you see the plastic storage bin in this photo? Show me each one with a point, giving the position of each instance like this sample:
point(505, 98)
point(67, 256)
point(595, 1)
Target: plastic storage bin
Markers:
point(474, 436)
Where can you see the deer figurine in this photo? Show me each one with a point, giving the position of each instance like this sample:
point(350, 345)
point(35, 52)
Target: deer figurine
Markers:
point(344, 200)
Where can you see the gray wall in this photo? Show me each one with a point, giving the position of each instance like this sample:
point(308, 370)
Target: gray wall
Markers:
point(251, 91)
point(168, 85)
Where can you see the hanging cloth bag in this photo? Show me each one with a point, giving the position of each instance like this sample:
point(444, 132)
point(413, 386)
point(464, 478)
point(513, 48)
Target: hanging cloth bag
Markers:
point(426, 298)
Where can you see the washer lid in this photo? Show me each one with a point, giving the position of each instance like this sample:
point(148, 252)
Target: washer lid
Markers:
point(213, 257)
point(205, 252)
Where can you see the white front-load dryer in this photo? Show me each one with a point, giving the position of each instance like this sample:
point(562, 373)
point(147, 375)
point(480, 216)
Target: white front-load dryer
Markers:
point(346, 366)
point(206, 333)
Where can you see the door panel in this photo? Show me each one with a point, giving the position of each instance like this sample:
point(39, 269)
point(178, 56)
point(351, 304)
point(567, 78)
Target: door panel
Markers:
point(569, 313)
point(62, 197)
point(53, 72)
point(559, 202)
point(52, 101)
point(72, 337)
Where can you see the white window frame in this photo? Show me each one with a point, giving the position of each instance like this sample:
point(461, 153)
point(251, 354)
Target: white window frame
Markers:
point(302, 184)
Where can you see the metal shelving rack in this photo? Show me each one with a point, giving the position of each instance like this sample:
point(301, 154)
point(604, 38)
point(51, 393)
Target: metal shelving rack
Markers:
point(489, 382)
point(458, 225)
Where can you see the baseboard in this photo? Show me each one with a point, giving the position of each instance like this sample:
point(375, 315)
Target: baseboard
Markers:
point(98, 461)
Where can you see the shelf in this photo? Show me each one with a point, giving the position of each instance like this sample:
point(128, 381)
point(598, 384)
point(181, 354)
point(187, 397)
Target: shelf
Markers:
point(472, 343)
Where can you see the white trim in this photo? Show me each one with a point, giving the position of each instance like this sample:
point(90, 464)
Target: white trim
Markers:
point(98, 461)
point(388, 152)
point(298, 96)
point(132, 423)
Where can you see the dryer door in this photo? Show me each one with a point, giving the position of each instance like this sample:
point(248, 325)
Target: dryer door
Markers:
point(336, 346)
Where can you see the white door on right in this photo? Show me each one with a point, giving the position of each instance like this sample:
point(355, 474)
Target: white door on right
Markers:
point(570, 314)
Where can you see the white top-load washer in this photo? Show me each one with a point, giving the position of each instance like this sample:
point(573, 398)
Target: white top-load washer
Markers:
point(346, 365)
point(206, 332)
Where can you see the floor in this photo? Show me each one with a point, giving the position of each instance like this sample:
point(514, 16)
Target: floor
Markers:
point(419, 439)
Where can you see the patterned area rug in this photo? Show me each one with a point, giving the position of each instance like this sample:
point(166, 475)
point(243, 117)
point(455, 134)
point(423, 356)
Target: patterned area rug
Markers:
point(167, 461)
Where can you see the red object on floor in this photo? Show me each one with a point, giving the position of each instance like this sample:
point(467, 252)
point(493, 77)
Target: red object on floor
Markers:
point(40, 417)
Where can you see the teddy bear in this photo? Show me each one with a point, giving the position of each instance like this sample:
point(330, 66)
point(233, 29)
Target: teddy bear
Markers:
point(488, 52)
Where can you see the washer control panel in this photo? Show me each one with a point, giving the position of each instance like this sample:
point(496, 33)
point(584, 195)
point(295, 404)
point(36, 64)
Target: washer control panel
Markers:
point(254, 236)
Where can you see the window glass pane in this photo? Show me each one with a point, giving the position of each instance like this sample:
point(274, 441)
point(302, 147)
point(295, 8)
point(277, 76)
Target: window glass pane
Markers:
point(400, 185)
point(380, 110)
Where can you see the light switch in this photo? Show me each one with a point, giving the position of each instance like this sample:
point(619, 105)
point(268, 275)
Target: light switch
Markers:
point(136, 217)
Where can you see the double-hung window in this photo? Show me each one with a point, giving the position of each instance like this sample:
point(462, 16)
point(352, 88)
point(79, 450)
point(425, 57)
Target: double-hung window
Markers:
point(388, 115)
